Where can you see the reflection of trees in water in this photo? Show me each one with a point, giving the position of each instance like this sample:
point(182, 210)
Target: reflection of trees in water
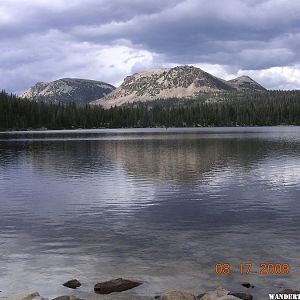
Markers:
point(164, 159)
point(65, 158)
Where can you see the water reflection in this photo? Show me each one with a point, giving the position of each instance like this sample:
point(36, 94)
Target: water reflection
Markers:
point(156, 159)
point(161, 207)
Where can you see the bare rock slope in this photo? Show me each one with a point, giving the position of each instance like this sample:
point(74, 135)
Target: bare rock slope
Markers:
point(178, 82)
point(245, 83)
point(68, 90)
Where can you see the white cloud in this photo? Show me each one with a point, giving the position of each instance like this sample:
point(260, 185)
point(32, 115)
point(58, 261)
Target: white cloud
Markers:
point(284, 78)
point(276, 78)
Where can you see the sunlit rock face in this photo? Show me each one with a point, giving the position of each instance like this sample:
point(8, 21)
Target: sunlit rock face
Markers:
point(179, 82)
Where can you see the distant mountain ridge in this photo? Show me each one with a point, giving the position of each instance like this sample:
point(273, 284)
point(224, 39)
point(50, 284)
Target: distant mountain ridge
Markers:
point(68, 90)
point(181, 82)
point(245, 83)
point(177, 82)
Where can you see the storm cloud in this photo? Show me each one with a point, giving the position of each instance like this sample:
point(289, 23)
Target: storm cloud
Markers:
point(108, 40)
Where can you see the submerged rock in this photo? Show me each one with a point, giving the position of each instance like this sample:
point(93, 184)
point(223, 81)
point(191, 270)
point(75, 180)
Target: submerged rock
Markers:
point(228, 297)
point(288, 291)
point(213, 295)
point(24, 296)
point(72, 284)
point(177, 295)
point(115, 285)
point(247, 285)
point(243, 296)
point(66, 298)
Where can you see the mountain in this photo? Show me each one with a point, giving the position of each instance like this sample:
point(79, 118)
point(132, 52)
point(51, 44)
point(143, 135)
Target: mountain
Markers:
point(68, 90)
point(178, 82)
point(246, 83)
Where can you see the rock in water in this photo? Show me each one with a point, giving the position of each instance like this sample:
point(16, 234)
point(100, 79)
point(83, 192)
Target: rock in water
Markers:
point(178, 295)
point(72, 284)
point(227, 297)
point(247, 285)
point(115, 285)
point(212, 295)
point(25, 296)
point(288, 291)
point(67, 298)
point(243, 296)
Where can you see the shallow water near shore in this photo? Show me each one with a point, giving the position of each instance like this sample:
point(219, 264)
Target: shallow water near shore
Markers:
point(161, 206)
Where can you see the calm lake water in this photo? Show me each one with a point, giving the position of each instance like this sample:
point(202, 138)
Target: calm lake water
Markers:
point(162, 206)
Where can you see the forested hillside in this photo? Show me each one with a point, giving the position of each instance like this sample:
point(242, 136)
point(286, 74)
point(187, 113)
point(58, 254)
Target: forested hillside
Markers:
point(232, 109)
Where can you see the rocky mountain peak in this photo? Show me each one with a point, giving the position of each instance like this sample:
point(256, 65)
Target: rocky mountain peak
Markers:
point(68, 90)
point(177, 82)
point(245, 82)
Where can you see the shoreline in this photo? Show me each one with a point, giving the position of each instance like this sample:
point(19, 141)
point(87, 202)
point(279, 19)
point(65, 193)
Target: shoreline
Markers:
point(219, 293)
point(139, 129)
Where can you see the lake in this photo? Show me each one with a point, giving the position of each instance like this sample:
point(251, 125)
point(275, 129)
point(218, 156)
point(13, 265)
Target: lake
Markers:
point(161, 206)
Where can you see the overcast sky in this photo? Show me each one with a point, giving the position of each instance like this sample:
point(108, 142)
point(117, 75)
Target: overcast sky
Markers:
point(43, 40)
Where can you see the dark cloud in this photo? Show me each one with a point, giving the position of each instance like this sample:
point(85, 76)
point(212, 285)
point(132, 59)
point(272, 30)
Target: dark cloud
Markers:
point(43, 40)
point(250, 34)
point(32, 17)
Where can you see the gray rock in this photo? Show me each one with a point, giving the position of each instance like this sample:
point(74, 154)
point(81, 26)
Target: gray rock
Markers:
point(24, 296)
point(243, 296)
point(178, 295)
point(288, 291)
point(72, 284)
point(66, 298)
point(228, 297)
point(115, 285)
point(213, 295)
point(247, 285)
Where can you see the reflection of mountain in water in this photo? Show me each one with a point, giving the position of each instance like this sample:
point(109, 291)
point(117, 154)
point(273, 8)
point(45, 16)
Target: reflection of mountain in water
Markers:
point(189, 159)
point(166, 157)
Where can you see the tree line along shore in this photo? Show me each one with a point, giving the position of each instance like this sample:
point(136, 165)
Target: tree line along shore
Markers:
point(269, 108)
